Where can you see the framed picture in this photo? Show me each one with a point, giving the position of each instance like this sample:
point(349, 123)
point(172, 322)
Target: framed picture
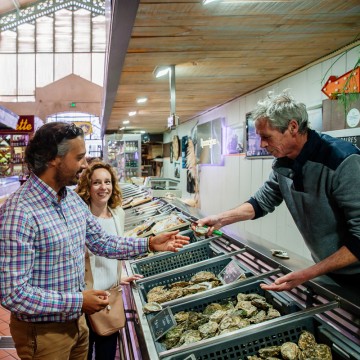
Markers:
point(252, 141)
point(171, 153)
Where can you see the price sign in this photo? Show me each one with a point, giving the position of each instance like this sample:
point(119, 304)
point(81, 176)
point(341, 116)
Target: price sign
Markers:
point(162, 323)
point(231, 273)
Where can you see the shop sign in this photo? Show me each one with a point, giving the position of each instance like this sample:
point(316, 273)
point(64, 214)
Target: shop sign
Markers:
point(25, 124)
point(209, 142)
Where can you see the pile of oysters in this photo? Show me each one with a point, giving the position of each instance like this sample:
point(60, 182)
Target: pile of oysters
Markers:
point(306, 349)
point(217, 319)
point(201, 281)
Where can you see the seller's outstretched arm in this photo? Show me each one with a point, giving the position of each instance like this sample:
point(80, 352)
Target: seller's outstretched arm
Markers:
point(241, 213)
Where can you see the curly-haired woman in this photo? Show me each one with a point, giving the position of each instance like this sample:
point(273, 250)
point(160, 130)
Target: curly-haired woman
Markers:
point(99, 188)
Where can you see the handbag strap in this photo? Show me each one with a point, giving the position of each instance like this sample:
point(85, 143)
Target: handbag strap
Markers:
point(89, 280)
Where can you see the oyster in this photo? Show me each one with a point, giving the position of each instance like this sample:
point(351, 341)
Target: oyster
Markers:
point(306, 340)
point(209, 329)
point(290, 351)
point(270, 351)
point(211, 308)
point(228, 330)
point(202, 276)
point(181, 316)
point(253, 357)
point(189, 337)
point(157, 294)
point(254, 296)
point(260, 303)
point(180, 284)
point(226, 322)
point(217, 315)
point(272, 314)
point(258, 318)
point(193, 289)
point(249, 309)
point(196, 319)
point(239, 322)
point(175, 293)
point(323, 352)
point(172, 337)
point(152, 307)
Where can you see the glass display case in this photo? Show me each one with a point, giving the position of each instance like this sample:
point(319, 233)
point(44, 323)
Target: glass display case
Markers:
point(12, 154)
point(125, 156)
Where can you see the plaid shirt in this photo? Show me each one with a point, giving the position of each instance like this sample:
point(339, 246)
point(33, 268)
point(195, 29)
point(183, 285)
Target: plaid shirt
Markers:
point(42, 248)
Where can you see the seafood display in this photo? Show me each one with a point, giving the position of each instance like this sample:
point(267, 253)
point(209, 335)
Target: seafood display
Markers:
point(306, 348)
point(201, 281)
point(173, 221)
point(219, 318)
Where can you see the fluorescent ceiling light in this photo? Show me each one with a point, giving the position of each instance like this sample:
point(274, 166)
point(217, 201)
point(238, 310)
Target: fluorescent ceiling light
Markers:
point(132, 113)
point(162, 71)
point(126, 122)
point(141, 100)
point(122, 128)
point(205, 2)
point(142, 131)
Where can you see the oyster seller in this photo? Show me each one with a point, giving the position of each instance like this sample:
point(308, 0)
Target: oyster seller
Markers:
point(318, 177)
point(44, 227)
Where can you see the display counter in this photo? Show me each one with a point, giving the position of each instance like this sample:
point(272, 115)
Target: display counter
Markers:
point(320, 306)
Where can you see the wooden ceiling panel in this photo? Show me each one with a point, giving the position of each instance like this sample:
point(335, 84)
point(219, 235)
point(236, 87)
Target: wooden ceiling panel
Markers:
point(222, 51)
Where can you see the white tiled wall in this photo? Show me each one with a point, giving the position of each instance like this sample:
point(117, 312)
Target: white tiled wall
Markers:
point(224, 187)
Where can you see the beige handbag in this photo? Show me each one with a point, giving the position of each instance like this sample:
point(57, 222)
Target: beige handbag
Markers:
point(112, 318)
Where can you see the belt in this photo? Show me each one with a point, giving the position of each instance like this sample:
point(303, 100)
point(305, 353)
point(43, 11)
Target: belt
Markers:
point(45, 322)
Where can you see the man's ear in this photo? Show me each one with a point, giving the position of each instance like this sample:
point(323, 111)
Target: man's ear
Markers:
point(54, 162)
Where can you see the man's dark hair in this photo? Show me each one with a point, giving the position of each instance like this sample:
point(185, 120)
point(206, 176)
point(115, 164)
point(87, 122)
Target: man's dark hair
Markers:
point(49, 141)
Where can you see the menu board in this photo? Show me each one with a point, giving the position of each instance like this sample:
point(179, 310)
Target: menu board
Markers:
point(162, 323)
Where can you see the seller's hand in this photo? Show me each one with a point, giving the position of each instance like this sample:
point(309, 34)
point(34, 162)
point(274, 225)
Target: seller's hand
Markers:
point(212, 222)
point(286, 282)
point(169, 241)
point(94, 300)
point(125, 280)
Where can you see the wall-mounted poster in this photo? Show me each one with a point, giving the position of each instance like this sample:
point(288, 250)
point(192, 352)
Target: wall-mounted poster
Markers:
point(209, 142)
point(253, 148)
point(184, 146)
point(177, 170)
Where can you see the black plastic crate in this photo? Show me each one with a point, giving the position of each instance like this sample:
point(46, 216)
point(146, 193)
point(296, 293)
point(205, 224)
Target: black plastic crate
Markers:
point(248, 344)
point(163, 262)
point(214, 265)
point(280, 302)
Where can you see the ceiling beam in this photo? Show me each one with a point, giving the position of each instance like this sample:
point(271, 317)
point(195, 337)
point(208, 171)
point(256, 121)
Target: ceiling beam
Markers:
point(123, 14)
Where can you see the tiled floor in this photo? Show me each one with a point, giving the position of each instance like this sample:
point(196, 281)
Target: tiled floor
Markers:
point(4, 331)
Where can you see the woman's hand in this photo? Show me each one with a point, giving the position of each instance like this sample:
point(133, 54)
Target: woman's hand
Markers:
point(126, 280)
point(169, 241)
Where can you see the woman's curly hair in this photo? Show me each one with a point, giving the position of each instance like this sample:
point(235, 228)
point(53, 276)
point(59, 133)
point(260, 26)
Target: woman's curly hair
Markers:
point(83, 188)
